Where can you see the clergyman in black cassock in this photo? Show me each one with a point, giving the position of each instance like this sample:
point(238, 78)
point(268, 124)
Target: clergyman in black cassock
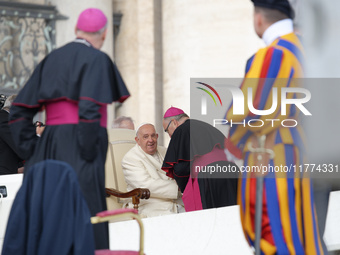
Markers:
point(73, 84)
point(196, 144)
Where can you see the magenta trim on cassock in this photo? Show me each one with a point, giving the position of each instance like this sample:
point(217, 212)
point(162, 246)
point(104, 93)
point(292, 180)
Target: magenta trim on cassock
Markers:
point(191, 196)
point(61, 112)
point(66, 112)
point(217, 154)
point(103, 113)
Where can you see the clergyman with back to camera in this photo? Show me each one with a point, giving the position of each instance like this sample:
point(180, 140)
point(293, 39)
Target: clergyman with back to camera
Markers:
point(74, 84)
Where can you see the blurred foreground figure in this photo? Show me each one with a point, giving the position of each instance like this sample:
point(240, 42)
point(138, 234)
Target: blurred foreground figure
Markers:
point(321, 41)
point(287, 224)
point(74, 83)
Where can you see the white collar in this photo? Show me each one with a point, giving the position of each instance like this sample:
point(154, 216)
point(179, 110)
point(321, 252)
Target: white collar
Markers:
point(83, 41)
point(276, 30)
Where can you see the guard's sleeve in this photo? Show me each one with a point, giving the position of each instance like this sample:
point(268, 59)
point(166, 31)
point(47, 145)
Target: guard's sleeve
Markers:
point(269, 68)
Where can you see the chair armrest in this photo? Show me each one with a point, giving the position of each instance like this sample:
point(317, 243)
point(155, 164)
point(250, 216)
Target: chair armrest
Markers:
point(135, 194)
point(140, 193)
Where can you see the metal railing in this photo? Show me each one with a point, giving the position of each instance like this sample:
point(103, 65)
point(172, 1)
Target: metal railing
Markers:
point(27, 35)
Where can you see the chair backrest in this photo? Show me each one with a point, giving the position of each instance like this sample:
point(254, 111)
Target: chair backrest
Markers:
point(120, 142)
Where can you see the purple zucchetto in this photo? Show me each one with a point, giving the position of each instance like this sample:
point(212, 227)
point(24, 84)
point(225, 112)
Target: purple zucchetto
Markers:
point(91, 20)
point(173, 111)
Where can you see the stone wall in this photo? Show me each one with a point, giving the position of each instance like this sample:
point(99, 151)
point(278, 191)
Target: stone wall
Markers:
point(162, 44)
point(138, 53)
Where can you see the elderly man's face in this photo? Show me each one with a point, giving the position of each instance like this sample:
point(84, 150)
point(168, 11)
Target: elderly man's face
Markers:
point(147, 139)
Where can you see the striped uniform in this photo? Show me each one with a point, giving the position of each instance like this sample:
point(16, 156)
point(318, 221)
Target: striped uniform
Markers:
point(289, 220)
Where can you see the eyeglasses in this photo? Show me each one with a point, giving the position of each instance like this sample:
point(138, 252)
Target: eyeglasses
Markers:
point(39, 124)
point(166, 130)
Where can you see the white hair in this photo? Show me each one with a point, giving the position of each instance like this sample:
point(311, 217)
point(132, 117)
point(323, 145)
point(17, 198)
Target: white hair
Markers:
point(96, 33)
point(118, 122)
point(141, 125)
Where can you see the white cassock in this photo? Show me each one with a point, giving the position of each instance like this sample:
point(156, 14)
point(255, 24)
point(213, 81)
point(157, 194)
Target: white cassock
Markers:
point(142, 170)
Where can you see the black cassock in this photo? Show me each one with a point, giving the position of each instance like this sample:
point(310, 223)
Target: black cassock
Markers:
point(73, 84)
point(10, 161)
point(196, 143)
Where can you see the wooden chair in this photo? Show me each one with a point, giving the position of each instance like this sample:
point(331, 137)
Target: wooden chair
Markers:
point(120, 142)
